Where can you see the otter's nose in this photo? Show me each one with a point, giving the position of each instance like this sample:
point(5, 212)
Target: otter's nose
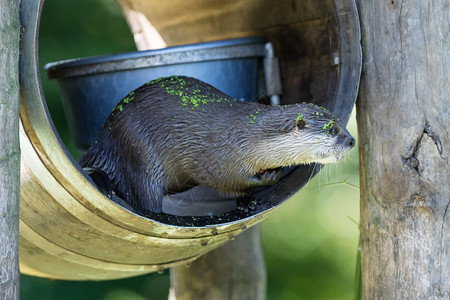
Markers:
point(351, 142)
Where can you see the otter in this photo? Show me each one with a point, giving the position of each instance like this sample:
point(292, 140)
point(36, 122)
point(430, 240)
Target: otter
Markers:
point(177, 132)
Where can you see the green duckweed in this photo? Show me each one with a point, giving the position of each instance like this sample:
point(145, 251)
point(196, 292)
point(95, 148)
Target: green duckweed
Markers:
point(252, 117)
point(328, 125)
point(190, 96)
point(128, 98)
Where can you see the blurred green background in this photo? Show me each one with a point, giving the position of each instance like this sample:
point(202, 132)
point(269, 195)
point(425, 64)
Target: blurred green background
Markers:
point(310, 243)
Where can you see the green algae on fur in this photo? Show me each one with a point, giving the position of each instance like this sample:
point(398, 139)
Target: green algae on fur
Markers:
point(328, 125)
point(125, 100)
point(190, 96)
point(252, 117)
point(128, 98)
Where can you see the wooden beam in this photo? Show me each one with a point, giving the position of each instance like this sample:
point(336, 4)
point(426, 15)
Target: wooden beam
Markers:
point(403, 121)
point(235, 270)
point(9, 149)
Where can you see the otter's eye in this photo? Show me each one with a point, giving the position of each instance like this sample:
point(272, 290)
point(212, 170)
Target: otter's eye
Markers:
point(334, 131)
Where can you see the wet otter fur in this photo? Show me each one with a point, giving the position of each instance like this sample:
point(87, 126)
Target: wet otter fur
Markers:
point(177, 132)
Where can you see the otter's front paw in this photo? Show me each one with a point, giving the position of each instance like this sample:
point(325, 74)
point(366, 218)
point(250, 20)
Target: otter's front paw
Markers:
point(268, 177)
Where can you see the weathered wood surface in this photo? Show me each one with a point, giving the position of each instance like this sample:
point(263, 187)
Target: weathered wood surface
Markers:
point(9, 149)
point(403, 119)
point(235, 270)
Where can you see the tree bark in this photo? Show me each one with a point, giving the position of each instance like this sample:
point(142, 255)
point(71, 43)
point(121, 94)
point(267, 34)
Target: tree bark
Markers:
point(403, 121)
point(9, 149)
point(236, 270)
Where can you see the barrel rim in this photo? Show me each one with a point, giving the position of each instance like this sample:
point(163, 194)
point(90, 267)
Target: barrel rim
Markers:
point(189, 53)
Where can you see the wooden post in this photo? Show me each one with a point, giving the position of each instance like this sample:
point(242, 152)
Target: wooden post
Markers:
point(9, 149)
point(236, 270)
point(403, 120)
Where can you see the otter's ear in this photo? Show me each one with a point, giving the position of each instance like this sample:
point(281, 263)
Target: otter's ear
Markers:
point(300, 123)
point(290, 125)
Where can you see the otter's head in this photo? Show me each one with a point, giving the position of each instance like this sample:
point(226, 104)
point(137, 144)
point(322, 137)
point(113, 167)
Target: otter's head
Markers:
point(301, 134)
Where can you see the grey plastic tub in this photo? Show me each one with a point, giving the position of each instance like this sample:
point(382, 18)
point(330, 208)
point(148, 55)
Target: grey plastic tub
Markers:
point(91, 87)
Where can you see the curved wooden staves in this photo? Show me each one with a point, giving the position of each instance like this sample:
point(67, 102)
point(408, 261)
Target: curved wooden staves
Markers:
point(69, 230)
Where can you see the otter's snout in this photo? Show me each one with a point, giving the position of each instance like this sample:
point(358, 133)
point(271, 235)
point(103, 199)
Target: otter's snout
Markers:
point(350, 142)
point(345, 140)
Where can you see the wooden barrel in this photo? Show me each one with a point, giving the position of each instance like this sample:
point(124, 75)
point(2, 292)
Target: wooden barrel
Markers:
point(69, 230)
